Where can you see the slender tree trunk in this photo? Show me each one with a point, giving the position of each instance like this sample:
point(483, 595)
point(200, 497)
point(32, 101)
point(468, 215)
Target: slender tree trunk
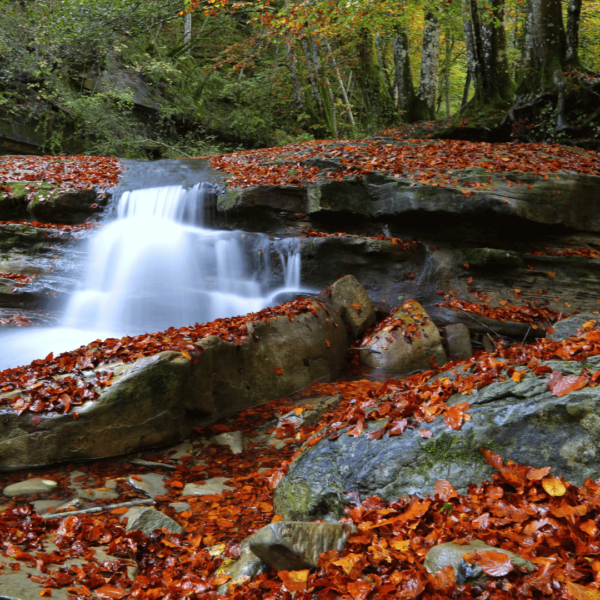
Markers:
point(342, 89)
point(467, 89)
point(187, 30)
point(403, 82)
point(430, 62)
point(573, 20)
point(293, 67)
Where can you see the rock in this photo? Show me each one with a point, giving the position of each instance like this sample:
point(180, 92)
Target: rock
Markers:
point(28, 487)
point(65, 207)
point(488, 344)
point(450, 554)
point(151, 484)
point(111, 484)
point(157, 400)
point(293, 546)
point(179, 507)
point(351, 300)
point(458, 341)
point(388, 198)
point(148, 519)
point(522, 422)
point(44, 506)
point(570, 326)
point(286, 546)
point(95, 494)
point(247, 565)
point(179, 450)
point(518, 330)
point(233, 439)
point(216, 485)
point(409, 344)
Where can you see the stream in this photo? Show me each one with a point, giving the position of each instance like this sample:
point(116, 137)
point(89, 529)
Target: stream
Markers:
point(157, 263)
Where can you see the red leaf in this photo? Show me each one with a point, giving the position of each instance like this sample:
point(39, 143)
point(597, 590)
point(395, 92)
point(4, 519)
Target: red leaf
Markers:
point(278, 370)
point(493, 563)
point(444, 489)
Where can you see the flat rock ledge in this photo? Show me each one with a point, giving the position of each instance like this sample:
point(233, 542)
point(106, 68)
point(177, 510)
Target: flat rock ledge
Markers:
point(571, 201)
point(157, 400)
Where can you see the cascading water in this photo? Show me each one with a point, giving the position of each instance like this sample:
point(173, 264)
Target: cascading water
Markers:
point(157, 266)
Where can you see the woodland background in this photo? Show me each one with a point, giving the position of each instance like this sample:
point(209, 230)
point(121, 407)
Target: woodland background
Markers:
point(211, 76)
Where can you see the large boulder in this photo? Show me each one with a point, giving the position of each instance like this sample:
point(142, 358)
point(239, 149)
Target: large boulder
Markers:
point(406, 341)
point(350, 299)
point(157, 400)
point(570, 326)
point(522, 422)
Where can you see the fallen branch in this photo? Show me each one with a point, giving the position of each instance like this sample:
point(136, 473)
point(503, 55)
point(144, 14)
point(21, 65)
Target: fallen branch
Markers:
point(97, 509)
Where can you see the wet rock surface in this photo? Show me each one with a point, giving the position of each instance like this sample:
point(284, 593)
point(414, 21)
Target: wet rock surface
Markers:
point(277, 359)
point(411, 341)
point(451, 554)
point(522, 422)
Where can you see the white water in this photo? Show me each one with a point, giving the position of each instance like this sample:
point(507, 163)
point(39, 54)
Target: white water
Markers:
point(156, 266)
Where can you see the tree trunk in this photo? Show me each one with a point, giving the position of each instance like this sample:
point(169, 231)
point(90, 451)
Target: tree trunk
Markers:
point(343, 90)
point(378, 101)
point(545, 46)
point(403, 82)
point(430, 63)
point(487, 55)
point(187, 31)
point(573, 20)
point(293, 67)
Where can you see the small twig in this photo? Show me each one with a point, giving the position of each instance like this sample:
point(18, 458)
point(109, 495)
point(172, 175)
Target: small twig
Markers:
point(482, 324)
point(149, 463)
point(528, 330)
point(97, 509)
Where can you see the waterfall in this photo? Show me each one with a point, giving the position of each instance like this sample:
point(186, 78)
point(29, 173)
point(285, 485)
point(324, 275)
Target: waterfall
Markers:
point(156, 265)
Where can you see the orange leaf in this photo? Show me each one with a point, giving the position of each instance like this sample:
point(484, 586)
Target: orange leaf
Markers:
point(561, 386)
point(517, 376)
point(554, 486)
point(444, 489)
point(424, 433)
point(327, 343)
point(46, 592)
point(359, 590)
point(278, 370)
point(551, 274)
point(119, 511)
point(444, 579)
point(537, 474)
point(590, 528)
point(581, 592)
point(356, 306)
point(186, 354)
point(352, 564)
point(493, 563)
point(109, 592)
point(294, 581)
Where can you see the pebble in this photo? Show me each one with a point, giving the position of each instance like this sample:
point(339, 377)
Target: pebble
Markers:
point(216, 485)
point(148, 519)
point(30, 486)
point(42, 506)
point(233, 439)
point(95, 494)
point(180, 506)
point(151, 484)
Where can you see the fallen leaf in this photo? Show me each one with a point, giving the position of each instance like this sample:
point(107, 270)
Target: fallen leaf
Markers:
point(554, 486)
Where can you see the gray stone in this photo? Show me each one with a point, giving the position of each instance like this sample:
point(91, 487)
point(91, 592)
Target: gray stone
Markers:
point(286, 546)
point(408, 343)
point(216, 485)
point(95, 494)
point(458, 341)
point(179, 450)
point(179, 507)
point(151, 484)
point(73, 206)
point(233, 439)
point(569, 327)
point(43, 506)
point(157, 400)
point(111, 484)
point(292, 546)
point(350, 299)
point(522, 422)
point(450, 554)
point(247, 565)
point(148, 519)
point(36, 485)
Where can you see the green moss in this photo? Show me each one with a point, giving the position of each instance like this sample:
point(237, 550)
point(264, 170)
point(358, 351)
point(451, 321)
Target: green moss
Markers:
point(450, 448)
point(228, 200)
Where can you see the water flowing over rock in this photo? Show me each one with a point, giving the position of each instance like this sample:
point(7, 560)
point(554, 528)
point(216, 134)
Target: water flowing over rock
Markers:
point(522, 422)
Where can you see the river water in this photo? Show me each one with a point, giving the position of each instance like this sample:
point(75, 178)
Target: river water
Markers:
point(155, 263)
